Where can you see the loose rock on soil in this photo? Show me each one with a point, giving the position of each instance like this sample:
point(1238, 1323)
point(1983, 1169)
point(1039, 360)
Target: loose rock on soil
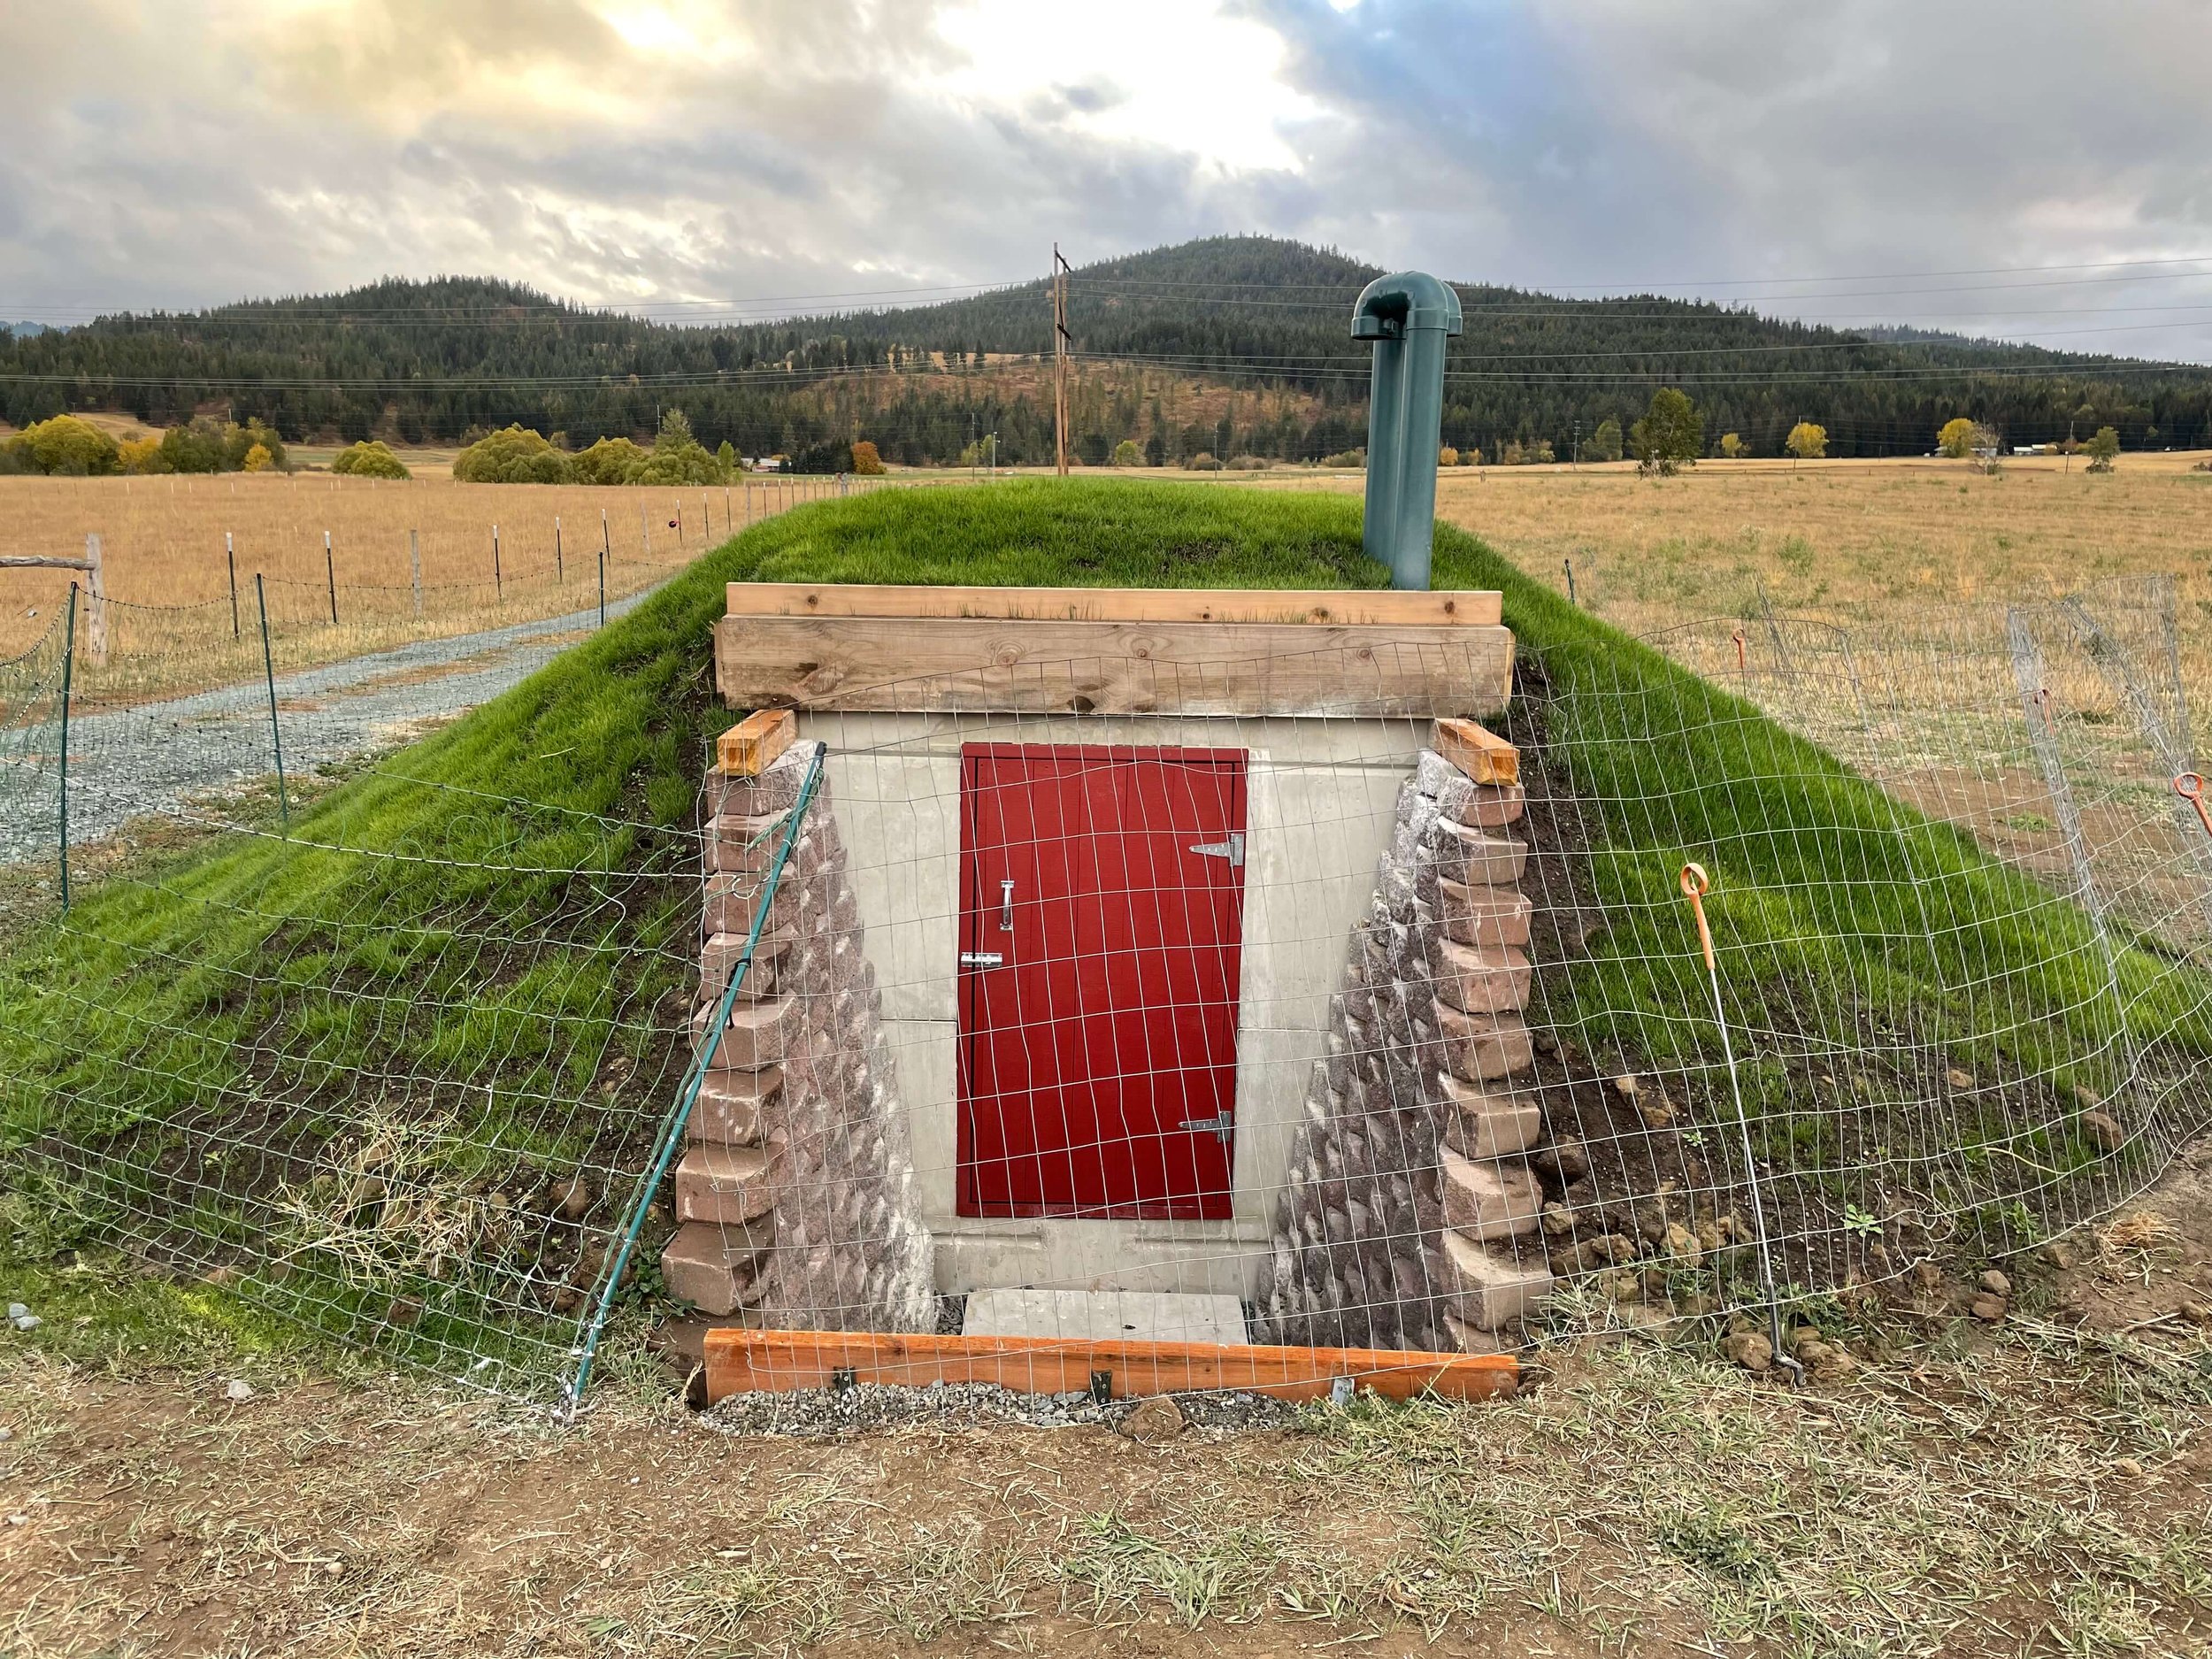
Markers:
point(871, 1406)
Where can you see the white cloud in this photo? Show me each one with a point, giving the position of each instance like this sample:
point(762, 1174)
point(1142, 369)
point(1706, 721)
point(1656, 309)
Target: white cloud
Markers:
point(636, 150)
point(1178, 73)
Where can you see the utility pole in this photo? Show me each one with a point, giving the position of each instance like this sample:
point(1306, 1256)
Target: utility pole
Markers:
point(1060, 342)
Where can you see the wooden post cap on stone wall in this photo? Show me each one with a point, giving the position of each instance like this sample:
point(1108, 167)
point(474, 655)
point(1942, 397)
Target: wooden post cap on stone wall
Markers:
point(750, 747)
point(1480, 753)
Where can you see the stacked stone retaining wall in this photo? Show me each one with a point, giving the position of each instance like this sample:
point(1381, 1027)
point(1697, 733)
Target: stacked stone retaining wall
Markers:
point(1411, 1216)
point(794, 1198)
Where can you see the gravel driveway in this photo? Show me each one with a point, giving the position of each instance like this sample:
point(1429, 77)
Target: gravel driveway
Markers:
point(163, 756)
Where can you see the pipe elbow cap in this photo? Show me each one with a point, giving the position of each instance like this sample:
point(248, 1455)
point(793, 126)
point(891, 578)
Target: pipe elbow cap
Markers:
point(1390, 305)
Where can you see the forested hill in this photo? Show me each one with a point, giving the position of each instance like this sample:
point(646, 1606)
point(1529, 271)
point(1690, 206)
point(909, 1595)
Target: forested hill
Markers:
point(1232, 344)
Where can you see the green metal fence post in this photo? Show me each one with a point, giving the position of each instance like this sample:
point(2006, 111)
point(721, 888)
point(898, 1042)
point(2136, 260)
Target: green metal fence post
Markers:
point(68, 667)
point(268, 669)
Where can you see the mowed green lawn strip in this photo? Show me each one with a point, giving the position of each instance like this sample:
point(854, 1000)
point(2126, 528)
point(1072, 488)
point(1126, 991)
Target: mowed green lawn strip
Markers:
point(514, 945)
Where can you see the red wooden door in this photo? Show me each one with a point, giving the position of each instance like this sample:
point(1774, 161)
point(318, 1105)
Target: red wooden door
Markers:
point(1098, 1050)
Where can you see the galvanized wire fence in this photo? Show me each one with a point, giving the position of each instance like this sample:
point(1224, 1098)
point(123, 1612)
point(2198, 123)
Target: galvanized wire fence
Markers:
point(1371, 1052)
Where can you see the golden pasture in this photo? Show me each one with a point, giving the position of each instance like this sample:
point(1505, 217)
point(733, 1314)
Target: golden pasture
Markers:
point(163, 544)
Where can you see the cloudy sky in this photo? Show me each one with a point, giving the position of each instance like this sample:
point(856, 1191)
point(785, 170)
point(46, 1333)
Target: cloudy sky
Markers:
point(1863, 161)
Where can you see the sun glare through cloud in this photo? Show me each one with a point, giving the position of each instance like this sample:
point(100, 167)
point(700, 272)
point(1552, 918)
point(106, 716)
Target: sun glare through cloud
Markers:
point(1185, 76)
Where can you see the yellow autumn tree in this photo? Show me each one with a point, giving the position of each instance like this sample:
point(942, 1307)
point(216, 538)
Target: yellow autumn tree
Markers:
point(258, 459)
point(1956, 438)
point(1807, 442)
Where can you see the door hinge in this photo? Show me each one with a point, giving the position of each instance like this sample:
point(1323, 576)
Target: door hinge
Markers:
point(1233, 849)
point(981, 959)
point(1221, 1124)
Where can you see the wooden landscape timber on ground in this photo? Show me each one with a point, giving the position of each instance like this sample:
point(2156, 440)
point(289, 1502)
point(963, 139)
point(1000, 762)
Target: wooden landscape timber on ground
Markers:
point(738, 1360)
point(1165, 661)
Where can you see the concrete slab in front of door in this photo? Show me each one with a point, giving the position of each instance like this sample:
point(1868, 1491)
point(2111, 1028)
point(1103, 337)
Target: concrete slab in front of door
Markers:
point(1096, 1316)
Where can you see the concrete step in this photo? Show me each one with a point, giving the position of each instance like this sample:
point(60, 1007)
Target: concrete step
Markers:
point(1093, 1316)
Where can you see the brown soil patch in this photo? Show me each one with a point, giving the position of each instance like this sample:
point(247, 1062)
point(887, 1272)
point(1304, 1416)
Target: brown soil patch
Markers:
point(2040, 1483)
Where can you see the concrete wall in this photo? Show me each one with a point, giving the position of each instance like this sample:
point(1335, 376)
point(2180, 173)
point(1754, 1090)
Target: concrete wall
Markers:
point(1321, 805)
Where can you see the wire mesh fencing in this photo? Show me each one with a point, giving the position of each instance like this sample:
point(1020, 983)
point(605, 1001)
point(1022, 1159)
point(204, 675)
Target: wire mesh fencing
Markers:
point(351, 567)
point(1019, 1016)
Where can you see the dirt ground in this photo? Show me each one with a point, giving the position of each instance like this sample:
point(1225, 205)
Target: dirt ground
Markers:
point(2037, 1485)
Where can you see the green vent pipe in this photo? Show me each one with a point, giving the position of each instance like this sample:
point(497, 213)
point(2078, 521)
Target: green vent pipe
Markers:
point(1409, 317)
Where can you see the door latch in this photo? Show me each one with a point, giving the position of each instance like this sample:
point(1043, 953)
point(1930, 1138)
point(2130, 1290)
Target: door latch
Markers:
point(981, 959)
point(1006, 907)
point(1221, 1124)
point(1233, 849)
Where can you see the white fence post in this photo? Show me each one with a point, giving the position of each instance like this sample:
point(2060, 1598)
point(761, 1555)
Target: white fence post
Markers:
point(96, 611)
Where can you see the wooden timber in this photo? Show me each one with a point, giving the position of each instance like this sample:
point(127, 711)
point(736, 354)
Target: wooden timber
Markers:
point(1478, 751)
point(742, 1360)
point(1014, 665)
point(750, 747)
point(1477, 608)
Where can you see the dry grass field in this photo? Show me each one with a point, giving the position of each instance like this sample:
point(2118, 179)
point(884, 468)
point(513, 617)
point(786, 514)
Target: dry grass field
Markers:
point(168, 580)
point(1862, 543)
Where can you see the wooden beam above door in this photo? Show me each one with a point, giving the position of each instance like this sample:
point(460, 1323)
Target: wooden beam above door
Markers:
point(782, 652)
point(1471, 608)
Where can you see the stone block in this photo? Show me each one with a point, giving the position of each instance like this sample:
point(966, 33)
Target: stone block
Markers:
point(1481, 981)
point(732, 900)
point(1491, 806)
point(1489, 1289)
point(1483, 914)
point(731, 1106)
point(717, 1268)
point(1481, 1125)
point(758, 1035)
point(737, 842)
point(774, 790)
point(1481, 1047)
point(1477, 859)
point(1488, 1201)
point(720, 954)
point(729, 1185)
point(1463, 1338)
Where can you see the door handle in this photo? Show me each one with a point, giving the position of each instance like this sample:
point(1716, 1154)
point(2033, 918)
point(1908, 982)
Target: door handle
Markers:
point(1221, 1124)
point(1233, 849)
point(981, 959)
point(1006, 907)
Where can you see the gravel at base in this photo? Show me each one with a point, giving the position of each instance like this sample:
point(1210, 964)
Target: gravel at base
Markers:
point(162, 756)
point(867, 1407)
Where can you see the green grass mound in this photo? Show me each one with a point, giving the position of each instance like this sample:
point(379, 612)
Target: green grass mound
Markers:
point(460, 988)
